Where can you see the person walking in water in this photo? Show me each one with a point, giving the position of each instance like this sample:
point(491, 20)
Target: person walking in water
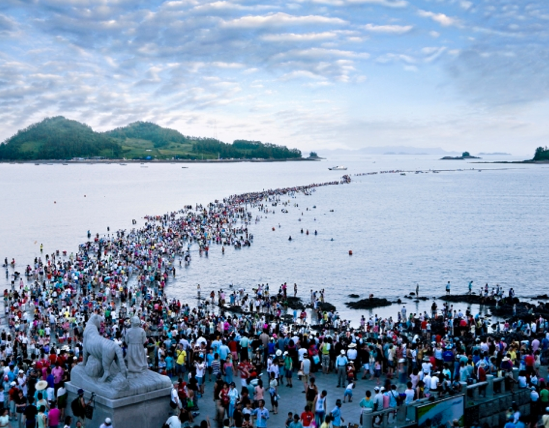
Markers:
point(448, 288)
point(417, 289)
point(470, 287)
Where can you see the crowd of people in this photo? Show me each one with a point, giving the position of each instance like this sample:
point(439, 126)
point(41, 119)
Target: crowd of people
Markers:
point(244, 360)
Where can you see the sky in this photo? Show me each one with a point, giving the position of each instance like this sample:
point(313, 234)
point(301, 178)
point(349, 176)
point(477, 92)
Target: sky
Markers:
point(311, 74)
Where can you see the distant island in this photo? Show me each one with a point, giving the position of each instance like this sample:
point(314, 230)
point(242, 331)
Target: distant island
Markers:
point(541, 155)
point(64, 139)
point(464, 155)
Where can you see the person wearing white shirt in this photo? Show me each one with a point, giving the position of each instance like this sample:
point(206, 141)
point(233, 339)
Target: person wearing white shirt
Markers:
point(173, 422)
point(434, 383)
point(427, 382)
point(409, 393)
point(352, 352)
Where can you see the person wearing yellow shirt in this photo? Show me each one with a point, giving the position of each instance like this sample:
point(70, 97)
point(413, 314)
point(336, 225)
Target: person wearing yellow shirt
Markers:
point(181, 356)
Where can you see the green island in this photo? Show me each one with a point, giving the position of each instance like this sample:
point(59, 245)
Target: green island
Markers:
point(63, 139)
point(541, 155)
point(464, 155)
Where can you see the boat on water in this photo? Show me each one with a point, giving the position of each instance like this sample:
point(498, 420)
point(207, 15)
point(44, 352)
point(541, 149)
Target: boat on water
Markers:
point(37, 164)
point(123, 164)
point(338, 168)
point(65, 164)
point(402, 173)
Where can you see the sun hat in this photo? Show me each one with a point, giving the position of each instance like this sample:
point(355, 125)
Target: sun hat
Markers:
point(342, 352)
point(41, 385)
point(352, 345)
point(108, 421)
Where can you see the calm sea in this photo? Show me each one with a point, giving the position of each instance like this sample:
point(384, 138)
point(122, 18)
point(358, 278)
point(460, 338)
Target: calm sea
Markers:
point(489, 226)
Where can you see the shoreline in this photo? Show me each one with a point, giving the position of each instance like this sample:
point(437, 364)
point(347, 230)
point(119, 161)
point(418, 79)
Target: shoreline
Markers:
point(519, 162)
point(110, 161)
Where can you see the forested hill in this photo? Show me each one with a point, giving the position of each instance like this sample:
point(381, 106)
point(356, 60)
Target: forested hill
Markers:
point(60, 138)
point(542, 154)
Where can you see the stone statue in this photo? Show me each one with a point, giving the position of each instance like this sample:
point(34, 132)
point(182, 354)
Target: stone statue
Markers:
point(135, 338)
point(103, 351)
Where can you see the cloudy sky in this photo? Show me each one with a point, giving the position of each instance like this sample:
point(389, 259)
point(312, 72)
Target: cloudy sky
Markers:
point(312, 74)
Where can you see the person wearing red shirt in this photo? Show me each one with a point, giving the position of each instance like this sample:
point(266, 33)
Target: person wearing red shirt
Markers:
point(307, 417)
point(529, 361)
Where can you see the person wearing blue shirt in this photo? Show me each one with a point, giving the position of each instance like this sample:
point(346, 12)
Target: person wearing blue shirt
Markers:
point(262, 415)
point(336, 414)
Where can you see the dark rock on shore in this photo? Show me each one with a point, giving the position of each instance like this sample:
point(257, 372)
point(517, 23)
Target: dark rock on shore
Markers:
point(295, 303)
point(374, 302)
point(479, 300)
point(542, 296)
point(354, 296)
point(325, 306)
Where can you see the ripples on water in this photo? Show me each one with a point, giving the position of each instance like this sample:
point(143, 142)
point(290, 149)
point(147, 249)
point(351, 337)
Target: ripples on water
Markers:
point(419, 228)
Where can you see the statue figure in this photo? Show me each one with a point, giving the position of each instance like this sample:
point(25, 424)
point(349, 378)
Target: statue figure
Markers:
point(135, 339)
point(103, 350)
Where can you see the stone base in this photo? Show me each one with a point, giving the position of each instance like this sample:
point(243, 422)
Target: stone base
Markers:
point(119, 386)
point(144, 410)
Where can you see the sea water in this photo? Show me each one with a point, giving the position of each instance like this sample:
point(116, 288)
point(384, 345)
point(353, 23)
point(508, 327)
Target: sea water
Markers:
point(427, 228)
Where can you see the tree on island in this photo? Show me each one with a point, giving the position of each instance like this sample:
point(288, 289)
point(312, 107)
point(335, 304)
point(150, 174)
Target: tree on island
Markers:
point(542, 153)
point(465, 155)
point(313, 155)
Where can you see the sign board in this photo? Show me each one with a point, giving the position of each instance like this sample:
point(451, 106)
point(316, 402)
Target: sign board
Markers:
point(441, 413)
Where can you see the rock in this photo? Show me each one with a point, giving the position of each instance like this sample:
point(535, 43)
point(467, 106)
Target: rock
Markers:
point(354, 296)
point(325, 306)
point(295, 303)
point(542, 296)
point(479, 300)
point(374, 302)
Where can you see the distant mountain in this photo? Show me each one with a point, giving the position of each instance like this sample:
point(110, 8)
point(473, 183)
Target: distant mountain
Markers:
point(160, 137)
point(60, 138)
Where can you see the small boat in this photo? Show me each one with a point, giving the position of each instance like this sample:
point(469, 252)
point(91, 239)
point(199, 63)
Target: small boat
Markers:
point(402, 173)
point(338, 168)
point(37, 164)
point(65, 164)
point(123, 164)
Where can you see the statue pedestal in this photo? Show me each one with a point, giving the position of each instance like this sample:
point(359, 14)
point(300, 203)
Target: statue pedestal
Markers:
point(143, 403)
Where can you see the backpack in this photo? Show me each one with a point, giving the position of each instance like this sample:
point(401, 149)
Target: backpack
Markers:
point(76, 408)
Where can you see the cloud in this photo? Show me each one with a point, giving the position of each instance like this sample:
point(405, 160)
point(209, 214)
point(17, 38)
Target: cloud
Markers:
point(441, 18)
point(384, 3)
point(499, 77)
point(304, 37)
point(279, 19)
point(388, 29)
